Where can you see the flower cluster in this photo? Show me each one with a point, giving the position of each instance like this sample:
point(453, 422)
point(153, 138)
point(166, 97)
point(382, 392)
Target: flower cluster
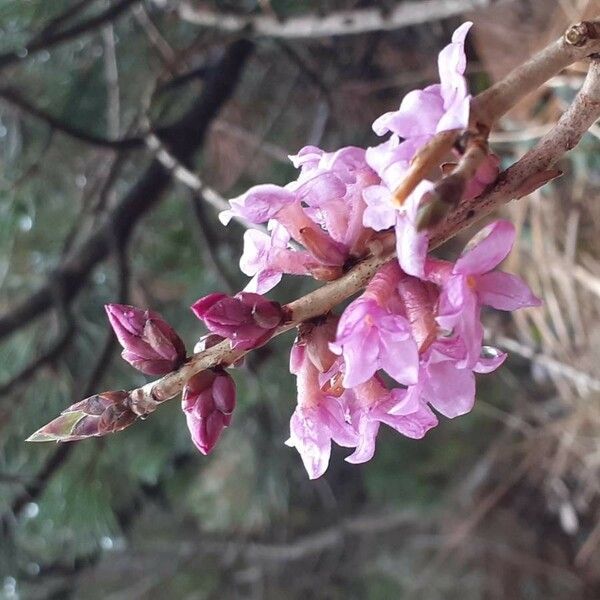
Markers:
point(409, 346)
point(418, 321)
point(423, 334)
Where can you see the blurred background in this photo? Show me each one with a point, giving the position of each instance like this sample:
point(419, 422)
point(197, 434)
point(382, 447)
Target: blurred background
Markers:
point(501, 503)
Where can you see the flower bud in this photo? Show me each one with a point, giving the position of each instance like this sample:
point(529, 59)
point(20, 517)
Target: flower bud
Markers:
point(150, 344)
point(246, 319)
point(97, 415)
point(208, 402)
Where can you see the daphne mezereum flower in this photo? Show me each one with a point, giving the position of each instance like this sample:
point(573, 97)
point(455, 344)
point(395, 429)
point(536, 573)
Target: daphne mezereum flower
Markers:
point(438, 107)
point(149, 343)
point(208, 401)
point(262, 203)
point(445, 384)
point(368, 405)
point(246, 319)
point(318, 418)
point(267, 257)
point(370, 336)
point(338, 209)
point(471, 282)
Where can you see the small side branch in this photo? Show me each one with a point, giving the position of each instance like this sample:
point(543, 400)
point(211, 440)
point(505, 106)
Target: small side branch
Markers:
point(579, 42)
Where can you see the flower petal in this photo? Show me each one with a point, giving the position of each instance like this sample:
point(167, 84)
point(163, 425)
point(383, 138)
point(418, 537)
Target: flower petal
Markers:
point(489, 252)
point(449, 390)
point(504, 291)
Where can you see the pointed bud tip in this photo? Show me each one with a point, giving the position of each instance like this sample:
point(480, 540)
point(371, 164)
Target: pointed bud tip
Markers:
point(41, 436)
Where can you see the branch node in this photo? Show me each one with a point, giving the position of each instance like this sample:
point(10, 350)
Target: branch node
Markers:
point(581, 33)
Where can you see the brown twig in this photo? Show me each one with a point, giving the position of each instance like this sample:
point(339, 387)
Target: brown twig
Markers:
point(448, 191)
point(563, 137)
point(428, 157)
point(578, 42)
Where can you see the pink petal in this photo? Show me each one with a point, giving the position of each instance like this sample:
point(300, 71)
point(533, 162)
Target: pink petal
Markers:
point(379, 214)
point(320, 188)
point(261, 202)
point(361, 358)
point(411, 247)
point(264, 281)
point(487, 253)
point(366, 445)
point(505, 291)
point(414, 425)
point(256, 250)
point(311, 440)
point(449, 390)
point(418, 114)
point(452, 62)
point(400, 359)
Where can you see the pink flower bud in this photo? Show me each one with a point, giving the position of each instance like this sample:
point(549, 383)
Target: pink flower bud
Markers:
point(149, 343)
point(246, 319)
point(208, 403)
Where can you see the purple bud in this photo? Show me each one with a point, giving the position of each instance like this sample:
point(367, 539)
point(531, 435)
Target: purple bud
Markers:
point(149, 343)
point(208, 402)
point(246, 319)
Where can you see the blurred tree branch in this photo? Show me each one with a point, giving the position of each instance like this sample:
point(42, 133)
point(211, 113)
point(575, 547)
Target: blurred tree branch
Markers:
point(348, 22)
point(16, 99)
point(59, 20)
point(49, 40)
point(184, 137)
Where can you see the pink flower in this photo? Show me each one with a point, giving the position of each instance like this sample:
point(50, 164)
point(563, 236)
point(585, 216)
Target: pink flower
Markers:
point(369, 404)
point(370, 336)
point(267, 257)
point(262, 203)
point(471, 283)
point(318, 419)
point(444, 384)
point(150, 344)
point(208, 401)
point(339, 210)
point(246, 319)
point(439, 107)
point(411, 245)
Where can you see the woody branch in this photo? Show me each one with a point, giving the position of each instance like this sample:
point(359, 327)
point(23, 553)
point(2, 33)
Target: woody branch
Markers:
point(530, 172)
